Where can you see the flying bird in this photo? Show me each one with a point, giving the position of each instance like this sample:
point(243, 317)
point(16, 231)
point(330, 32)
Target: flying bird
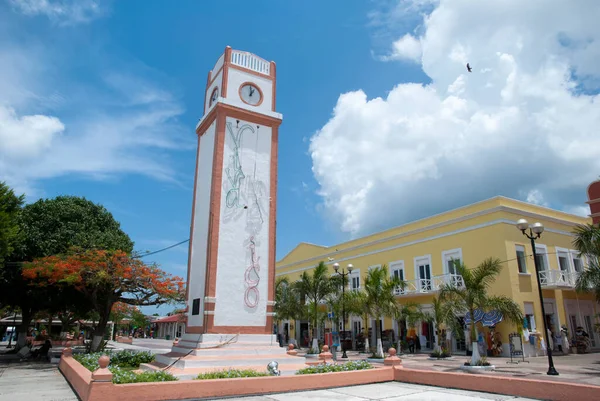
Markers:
point(469, 67)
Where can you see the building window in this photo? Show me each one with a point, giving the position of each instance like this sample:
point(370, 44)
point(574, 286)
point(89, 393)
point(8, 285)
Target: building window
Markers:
point(196, 306)
point(374, 267)
point(450, 258)
point(530, 319)
point(563, 260)
point(521, 259)
point(541, 256)
point(423, 273)
point(397, 272)
point(356, 282)
point(577, 264)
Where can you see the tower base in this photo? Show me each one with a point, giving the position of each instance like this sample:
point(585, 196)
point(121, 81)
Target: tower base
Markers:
point(201, 353)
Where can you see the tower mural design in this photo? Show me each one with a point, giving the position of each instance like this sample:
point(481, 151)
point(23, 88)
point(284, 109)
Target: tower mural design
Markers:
point(231, 266)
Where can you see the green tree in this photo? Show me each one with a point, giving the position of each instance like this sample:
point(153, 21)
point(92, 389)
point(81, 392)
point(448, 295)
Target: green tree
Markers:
point(287, 301)
point(51, 227)
point(442, 316)
point(10, 209)
point(139, 320)
point(380, 300)
point(474, 294)
point(339, 301)
point(409, 312)
point(315, 288)
point(587, 242)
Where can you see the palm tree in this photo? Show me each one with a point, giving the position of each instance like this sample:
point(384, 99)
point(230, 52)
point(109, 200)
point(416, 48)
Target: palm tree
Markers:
point(443, 317)
point(473, 295)
point(587, 242)
point(287, 300)
point(409, 312)
point(379, 298)
point(339, 300)
point(315, 288)
point(357, 305)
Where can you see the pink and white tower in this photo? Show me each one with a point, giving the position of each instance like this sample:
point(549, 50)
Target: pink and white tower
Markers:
point(231, 265)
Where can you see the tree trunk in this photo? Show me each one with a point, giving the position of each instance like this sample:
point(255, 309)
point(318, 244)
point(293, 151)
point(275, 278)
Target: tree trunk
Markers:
point(475, 356)
point(378, 337)
point(26, 316)
point(98, 335)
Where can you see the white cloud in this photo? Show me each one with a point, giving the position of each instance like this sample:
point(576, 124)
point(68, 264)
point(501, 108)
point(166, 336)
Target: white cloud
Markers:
point(62, 12)
point(126, 124)
point(406, 48)
point(519, 125)
point(26, 136)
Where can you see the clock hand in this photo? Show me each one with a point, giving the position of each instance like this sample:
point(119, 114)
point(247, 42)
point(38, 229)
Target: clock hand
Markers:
point(251, 91)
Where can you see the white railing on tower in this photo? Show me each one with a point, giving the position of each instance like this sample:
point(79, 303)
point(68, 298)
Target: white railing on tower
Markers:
point(250, 61)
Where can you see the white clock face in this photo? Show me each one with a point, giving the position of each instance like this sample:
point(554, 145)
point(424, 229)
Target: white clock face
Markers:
point(251, 94)
point(214, 96)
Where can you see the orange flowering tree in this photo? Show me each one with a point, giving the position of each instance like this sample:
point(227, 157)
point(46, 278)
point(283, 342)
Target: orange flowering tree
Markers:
point(121, 311)
point(105, 278)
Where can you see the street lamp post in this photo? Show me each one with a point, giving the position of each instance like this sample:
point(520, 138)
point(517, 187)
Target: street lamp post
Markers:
point(534, 232)
point(336, 267)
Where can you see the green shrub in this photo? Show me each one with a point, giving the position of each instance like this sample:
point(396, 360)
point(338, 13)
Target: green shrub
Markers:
point(121, 376)
point(344, 367)
point(130, 359)
point(230, 374)
point(443, 354)
point(122, 359)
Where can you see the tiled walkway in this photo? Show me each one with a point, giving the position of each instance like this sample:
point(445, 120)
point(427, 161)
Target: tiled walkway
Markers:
point(392, 391)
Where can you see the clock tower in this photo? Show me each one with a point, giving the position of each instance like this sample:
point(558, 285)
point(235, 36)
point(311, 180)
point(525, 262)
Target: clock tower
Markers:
point(231, 263)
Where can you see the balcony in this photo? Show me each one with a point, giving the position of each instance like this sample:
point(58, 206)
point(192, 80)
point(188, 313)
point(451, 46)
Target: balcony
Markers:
point(429, 286)
point(558, 279)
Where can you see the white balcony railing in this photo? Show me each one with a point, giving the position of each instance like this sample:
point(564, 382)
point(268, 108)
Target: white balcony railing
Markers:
point(427, 286)
point(558, 278)
point(250, 61)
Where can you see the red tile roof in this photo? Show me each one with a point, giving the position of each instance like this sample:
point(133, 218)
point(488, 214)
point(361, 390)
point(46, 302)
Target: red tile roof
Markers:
point(180, 317)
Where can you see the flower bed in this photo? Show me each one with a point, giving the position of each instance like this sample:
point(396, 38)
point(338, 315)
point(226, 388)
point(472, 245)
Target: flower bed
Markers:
point(343, 367)
point(230, 374)
point(122, 364)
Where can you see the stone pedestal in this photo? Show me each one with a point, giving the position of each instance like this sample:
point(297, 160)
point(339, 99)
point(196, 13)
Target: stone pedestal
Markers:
point(200, 353)
point(392, 359)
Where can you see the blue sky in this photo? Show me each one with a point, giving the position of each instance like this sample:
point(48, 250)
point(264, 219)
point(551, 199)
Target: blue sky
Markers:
point(100, 99)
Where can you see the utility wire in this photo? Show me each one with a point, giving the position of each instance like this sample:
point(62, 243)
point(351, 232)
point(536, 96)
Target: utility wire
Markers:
point(162, 250)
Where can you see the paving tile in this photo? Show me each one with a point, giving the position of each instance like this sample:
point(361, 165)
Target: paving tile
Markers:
point(251, 398)
point(376, 391)
point(437, 396)
point(317, 395)
point(485, 396)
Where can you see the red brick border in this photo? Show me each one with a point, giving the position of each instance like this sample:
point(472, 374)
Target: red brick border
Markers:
point(545, 390)
point(90, 389)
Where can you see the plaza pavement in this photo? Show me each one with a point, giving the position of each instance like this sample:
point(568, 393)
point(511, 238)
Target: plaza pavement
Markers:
point(31, 381)
point(392, 391)
point(40, 381)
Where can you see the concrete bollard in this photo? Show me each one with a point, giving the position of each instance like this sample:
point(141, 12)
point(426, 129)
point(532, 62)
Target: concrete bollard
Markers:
point(102, 374)
point(67, 352)
point(325, 355)
point(392, 359)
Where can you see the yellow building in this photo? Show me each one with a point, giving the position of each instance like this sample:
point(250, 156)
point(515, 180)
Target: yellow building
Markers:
point(420, 253)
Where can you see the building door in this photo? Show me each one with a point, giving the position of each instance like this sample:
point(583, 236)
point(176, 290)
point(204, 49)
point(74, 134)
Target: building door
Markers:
point(589, 327)
point(425, 277)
